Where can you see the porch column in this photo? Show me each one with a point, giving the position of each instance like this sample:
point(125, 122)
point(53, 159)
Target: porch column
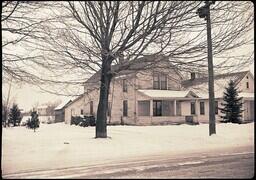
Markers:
point(174, 108)
point(151, 108)
point(197, 107)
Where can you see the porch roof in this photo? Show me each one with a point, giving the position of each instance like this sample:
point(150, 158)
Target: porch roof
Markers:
point(168, 94)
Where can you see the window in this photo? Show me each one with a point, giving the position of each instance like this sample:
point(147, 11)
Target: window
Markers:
point(109, 108)
point(143, 108)
point(159, 81)
point(178, 108)
point(216, 107)
point(82, 111)
point(247, 77)
point(91, 107)
point(125, 108)
point(157, 108)
point(202, 108)
point(193, 108)
point(156, 83)
point(125, 87)
point(163, 81)
point(247, 85)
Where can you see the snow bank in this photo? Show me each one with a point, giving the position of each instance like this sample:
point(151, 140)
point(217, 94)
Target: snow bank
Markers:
point(60, 145)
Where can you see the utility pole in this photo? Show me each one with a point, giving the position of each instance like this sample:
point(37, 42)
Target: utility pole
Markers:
point(204, 12)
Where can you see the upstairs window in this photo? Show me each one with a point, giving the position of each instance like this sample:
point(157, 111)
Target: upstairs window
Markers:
point(125, 86)
point(82, 111)
point(159, 81)
point(247, 85)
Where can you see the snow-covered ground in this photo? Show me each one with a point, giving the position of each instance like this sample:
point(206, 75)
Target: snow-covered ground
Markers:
point(60, 145)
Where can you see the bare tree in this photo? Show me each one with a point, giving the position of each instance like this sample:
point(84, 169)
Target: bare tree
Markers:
point(19, 22)
point(86, 37)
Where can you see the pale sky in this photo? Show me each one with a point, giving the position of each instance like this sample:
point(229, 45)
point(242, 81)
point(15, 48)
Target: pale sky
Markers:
point(27, 95)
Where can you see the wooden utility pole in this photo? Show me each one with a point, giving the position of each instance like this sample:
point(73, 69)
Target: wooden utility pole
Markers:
point(204, 12)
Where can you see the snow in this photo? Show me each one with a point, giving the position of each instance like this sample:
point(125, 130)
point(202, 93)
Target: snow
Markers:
point(246, 95)
point(60, 145)
point(165, 93)
point(219, 87)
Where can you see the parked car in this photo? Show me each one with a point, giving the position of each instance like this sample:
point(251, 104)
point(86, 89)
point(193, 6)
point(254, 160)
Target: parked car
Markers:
point(83, 121)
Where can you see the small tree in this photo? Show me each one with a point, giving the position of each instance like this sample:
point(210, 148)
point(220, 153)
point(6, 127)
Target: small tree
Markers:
point(33, 123)
point(232, 106)
point(14, 115)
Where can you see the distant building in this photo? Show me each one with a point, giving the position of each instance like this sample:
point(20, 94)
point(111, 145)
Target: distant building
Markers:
point(59, 111)
point(42, 110)
point(45, 114)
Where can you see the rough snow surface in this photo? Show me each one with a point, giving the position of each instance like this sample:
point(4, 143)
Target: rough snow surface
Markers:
point(60, 145)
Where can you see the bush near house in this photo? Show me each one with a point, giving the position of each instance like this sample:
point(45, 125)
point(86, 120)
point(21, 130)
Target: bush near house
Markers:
point(83, 121)
point(33, 123)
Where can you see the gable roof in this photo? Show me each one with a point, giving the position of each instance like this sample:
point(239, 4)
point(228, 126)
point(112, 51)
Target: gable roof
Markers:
point(145, 62)
point(200, 85)
point(236, 77)
point(63, 105)
point(74, 100)
point(167, 93)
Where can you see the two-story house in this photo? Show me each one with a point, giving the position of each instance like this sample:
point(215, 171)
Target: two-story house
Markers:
point(157, 95)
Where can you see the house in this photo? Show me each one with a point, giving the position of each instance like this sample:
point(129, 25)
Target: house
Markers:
point(45, 114)
point(156, 95)
point(244, 81)
point(59, 111)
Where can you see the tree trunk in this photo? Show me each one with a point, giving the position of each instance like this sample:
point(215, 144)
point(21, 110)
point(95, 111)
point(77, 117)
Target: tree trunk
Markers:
point(101, 121)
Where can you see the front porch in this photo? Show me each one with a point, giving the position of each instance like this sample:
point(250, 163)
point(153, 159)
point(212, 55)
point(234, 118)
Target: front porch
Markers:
point(157, 107)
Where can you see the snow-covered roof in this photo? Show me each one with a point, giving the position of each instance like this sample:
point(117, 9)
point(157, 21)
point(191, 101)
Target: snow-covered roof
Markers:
point(246, 95)
point(167, 93)
point(200, 86)
point(62, 105)
point(236, 77)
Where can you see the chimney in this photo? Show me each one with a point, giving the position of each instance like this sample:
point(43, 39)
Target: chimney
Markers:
point(193, 76)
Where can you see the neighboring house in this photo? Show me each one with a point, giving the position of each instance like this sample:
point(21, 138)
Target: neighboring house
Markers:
point(42, 110)
point(45, 114)
point(157, 95)
point(59, 111)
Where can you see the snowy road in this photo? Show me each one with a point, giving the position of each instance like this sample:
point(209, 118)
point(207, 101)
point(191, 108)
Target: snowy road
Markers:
point(229, 164)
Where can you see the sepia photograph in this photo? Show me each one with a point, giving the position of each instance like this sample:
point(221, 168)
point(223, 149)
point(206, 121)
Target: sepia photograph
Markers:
point(127, 90)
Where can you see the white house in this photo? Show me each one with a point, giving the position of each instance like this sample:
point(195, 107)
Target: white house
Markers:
point(159, 95)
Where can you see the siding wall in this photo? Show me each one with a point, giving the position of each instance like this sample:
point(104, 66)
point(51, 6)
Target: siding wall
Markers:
point(242, 84)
